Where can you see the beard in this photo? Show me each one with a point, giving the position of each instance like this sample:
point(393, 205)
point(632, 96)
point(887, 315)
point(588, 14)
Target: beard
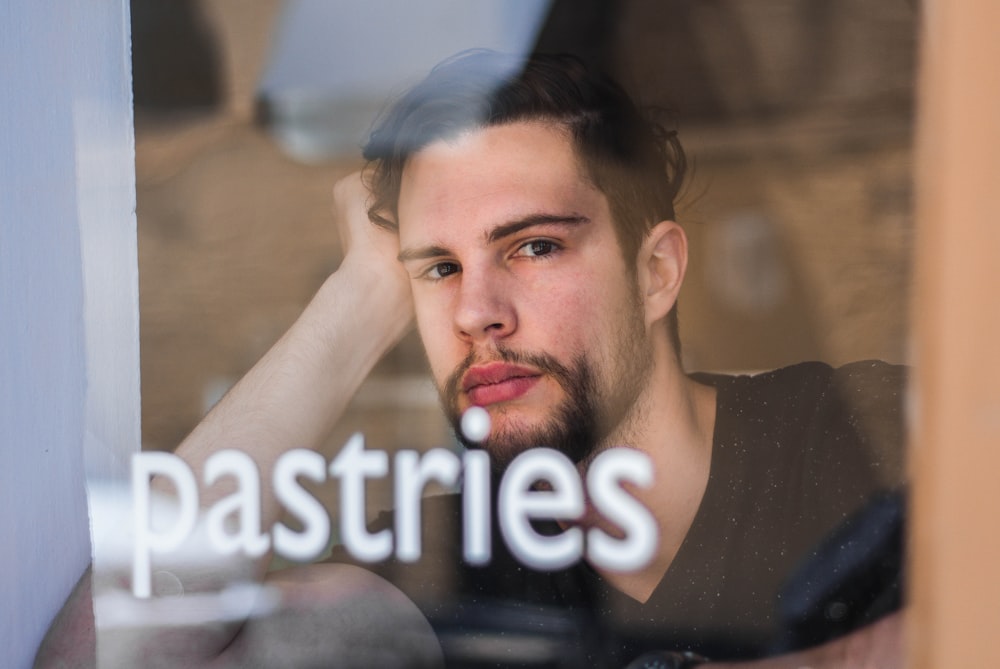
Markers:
point(593, 406)
point(573, 428)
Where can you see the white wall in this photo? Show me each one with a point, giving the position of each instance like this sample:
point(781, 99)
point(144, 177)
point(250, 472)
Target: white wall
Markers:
point(68, 295)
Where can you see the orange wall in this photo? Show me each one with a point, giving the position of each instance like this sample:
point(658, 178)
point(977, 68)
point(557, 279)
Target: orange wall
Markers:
point(956, 543)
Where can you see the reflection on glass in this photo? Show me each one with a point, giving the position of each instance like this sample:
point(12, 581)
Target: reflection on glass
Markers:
point(525, 213)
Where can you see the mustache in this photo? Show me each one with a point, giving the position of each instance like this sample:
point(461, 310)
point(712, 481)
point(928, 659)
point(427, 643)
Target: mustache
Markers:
point(541, 361)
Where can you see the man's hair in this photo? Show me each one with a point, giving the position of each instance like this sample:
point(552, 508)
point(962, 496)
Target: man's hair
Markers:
point(630, 157)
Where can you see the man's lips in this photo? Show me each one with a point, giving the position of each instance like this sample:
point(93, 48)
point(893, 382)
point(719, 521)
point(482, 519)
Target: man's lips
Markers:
point(498, 382)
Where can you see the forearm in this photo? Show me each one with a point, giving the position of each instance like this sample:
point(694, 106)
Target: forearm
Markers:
point(877, 646)
point(296, 392)
point(71, 640)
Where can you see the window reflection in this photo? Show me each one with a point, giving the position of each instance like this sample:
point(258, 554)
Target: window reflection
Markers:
point(797, 119)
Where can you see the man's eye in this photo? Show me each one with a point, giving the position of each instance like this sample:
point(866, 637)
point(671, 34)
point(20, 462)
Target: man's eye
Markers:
point(537, 247)
point(441, 270)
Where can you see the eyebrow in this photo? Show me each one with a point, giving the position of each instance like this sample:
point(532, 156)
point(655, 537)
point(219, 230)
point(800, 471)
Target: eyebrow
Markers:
point(497, 233)
point(422, 253)
point(514, 227)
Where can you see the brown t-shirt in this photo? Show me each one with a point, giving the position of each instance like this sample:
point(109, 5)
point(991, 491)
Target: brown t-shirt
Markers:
point(796, 453)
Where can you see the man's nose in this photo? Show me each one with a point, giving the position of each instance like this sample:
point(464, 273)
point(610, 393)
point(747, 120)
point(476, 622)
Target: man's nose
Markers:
point(484, 308)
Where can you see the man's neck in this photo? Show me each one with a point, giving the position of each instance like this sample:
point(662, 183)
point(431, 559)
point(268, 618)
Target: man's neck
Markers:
point(674, 428)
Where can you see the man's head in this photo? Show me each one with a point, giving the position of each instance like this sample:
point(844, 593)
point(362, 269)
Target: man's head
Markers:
point(556, 160)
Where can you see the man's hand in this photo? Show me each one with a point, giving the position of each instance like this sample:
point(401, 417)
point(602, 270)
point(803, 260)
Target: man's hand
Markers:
point(877, 646)
point(368, 248)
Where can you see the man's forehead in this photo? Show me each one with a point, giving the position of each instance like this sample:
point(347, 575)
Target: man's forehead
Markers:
point(499, 173)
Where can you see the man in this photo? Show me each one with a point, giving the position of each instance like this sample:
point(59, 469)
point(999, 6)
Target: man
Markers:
point(525, 220)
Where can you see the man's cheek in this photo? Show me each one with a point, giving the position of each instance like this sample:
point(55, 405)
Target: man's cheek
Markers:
point(436, 333)
point(564, 321)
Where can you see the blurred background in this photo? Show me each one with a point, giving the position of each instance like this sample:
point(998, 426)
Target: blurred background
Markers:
point(797, 116)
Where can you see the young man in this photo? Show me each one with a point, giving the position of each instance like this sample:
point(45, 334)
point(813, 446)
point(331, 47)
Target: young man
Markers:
point(525, 220)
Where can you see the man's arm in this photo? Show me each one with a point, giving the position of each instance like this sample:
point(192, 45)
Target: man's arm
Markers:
point(877, 646)
point(293, 396)
point(290, 399)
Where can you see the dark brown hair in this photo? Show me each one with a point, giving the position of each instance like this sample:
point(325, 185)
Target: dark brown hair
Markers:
point(631, 158)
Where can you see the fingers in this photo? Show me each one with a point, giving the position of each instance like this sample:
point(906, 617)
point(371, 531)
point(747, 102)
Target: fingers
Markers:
point(368, 248)
point(350, 209)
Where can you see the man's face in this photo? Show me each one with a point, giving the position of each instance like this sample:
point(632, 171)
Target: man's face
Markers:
point(524, 302)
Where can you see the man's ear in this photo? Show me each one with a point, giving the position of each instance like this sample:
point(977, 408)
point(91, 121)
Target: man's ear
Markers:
point(662, 262)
